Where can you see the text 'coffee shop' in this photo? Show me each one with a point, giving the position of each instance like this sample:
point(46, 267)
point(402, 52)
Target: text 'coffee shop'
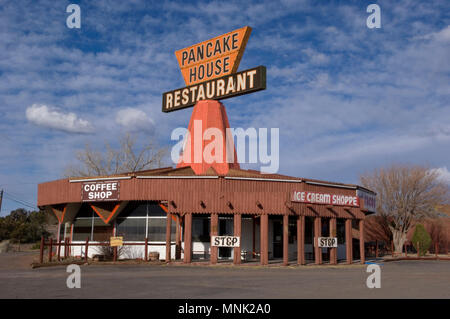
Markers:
point(211, 212)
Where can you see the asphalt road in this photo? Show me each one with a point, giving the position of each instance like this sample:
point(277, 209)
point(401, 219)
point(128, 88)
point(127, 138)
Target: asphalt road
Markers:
point(404, 279)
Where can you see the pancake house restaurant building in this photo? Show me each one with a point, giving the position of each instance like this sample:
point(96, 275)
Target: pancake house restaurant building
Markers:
point(212, 212)
point(250, 216)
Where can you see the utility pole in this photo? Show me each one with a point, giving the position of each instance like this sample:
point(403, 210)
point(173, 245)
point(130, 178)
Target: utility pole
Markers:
point(1, 199)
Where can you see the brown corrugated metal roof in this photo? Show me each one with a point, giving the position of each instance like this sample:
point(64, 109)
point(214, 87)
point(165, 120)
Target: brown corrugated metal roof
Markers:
point(240, 191)
point(187, 171)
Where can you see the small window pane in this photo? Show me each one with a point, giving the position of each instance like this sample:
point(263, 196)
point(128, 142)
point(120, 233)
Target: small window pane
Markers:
point(132, 229)
point(340, 231)
point(81, 229)
point(155, 210)
point(134, 210)
point(157, 229)
point(103, 233)
point(85, 211)
point(200, 229)
point(309, 228)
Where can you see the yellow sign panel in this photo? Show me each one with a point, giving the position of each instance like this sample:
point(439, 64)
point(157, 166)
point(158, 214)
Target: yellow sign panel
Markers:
point(116, 241)
point(213, 58)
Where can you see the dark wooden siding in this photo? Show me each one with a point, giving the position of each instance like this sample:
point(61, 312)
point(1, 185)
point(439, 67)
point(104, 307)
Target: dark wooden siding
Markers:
point(245, 196)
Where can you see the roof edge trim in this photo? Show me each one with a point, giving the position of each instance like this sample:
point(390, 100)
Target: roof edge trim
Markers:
point(176, 176)
point(98, 179)
point(332, 185)
point(265, 179)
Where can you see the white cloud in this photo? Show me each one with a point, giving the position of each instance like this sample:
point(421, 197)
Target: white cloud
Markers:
point(441, 36)
point(444, 174)
point(43, 115)
point(134, 119)
point(316, 57)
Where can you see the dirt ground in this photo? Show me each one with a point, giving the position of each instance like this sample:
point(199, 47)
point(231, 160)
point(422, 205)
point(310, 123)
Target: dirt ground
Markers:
point(401, 279)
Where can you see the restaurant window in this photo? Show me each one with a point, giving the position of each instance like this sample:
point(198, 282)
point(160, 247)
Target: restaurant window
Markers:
point(292, 231)
point(134, 209)
point(131, 229)
point(340, 225)
point(325, 227)
point(136, 222)
point(82, 225)
point(200, 229)
point(132, 222)
point(309, 222)
point(155, 210)
point(102, 231)
point(157, 229)
point(82, 228)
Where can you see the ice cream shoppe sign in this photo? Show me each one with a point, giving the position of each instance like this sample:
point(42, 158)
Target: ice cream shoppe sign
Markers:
point(100, 191)
point(324, 198)
point(209, 70)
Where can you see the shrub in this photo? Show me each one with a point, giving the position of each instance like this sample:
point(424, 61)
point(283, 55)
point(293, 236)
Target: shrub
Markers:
point(423, 238)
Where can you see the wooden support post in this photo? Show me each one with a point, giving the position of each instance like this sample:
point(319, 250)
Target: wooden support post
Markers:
point(41, 250)
point(50, 250)
point(115, 253)
point(285, 240)
point(178, 239)
point(237, 232)
point(86, 250)
point(264, 239)
point(254, 237)
point(333, 233)
point(70, 240)
point(376, 248)
point(301, 240)
point(214, 232)
point(188, 238)
point(317, 234)
point(66, 247)
point(58, 236)
point(348, 241)
point(168, 237)
point(59, 249)
point(362, 251)
point(146, 249)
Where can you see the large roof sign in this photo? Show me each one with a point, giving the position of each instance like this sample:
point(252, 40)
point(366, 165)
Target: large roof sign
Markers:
point(213, 58)
point(210, 72)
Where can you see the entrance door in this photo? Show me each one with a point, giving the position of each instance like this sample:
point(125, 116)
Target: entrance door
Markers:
point(225, 228)
point(277, 239)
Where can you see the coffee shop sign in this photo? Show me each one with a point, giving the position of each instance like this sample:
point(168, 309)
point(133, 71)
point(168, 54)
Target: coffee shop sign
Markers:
point(100, 191)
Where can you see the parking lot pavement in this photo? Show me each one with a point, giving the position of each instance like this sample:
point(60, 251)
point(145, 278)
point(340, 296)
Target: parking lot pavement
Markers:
point(405, 279)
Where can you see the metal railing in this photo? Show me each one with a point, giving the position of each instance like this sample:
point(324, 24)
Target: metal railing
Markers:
point(66, 243)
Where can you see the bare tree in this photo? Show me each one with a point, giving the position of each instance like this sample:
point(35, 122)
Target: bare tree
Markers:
point(127, 158)
point(404, 194)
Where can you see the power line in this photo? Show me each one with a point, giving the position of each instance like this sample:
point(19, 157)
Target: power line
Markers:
point(21, 203)
point(18, 197)
point(9, 197)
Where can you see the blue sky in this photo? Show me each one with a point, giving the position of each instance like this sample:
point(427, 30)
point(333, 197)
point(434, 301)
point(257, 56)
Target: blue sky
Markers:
point(347, 99)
